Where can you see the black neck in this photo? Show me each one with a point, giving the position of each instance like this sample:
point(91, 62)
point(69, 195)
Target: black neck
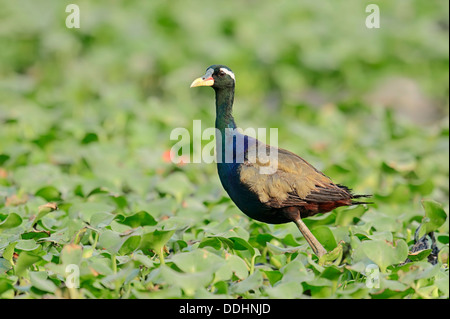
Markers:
point(224, 106)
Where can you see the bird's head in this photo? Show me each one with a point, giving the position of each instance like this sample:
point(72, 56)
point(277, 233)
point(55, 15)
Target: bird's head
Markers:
point(216, 76)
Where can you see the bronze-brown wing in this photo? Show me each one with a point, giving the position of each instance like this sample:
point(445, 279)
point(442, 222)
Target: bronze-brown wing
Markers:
point(294, 183)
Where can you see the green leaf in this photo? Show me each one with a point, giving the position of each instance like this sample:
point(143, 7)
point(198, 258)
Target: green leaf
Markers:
point(345, 217)
point(11, 221)
point(435, 217)
point(155, 240)
point(276, 250)
point(141, 218)
point(39, 280)
point(419, 255)
point(189, 282)
point(176, 184)
point(384, 253)
point(296, 271)
point(8, 253)
point(5, 285)
point(71, 254)
point(143, 260)
point(273, 275)
point(197, 261)
point(130, 245)
point(252, 282)
point(325, 236)
point(44, 210)
point(111, 241)
point(333, 256)
point(211, 242)
point(262, 239)
point(88, 209)
point(286, 290)
point(241, 244)
point(236, 265)
point(24, 261)
point(101, 220)
point(27, 245)
point(89, 138)
point(49, 193)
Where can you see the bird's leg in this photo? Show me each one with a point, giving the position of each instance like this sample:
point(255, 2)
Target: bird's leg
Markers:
point(312, 241)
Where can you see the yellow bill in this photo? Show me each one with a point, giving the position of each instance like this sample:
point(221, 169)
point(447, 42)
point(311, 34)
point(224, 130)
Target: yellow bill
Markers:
point(206, 80)
point(202, 82)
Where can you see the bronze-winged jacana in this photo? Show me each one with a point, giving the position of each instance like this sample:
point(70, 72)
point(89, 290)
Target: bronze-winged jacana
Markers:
point(292, 191)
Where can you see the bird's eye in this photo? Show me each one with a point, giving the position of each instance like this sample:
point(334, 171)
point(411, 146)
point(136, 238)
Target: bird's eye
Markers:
point(221, 73)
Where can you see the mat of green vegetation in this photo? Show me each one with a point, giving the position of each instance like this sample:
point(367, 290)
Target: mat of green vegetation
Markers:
point(91, 207)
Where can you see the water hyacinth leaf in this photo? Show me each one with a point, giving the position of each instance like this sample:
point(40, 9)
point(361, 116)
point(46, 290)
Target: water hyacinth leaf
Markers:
point(5, 284)
point(24, 261)
point(252, 282)
point(143, 260)
point(289, 240)
point(71, 254)
point(409, 273)
point(325, 236)
point(382, 235)
point(11, 221)
point(435, 217)
point(334, 256)
point(49, 193)
point(155, 240)
point(130, 245)
point(211, 242)
point(102, 219)
point(444, 239)
point(442, 281)
point(89, 138)
point(111, 241)
point(443, 255)
point(78, 235)
point(101, 265)
point(27, 245)
point(8, 253)
point(44, 210)
point(216, 242)
point(241, 244)
point(237, 266)
point(176, 184)
point(188, 282)
point(40, 281)
point(385, 253)
point(262, 239)
point(273, 275)
point(285, 290)
point(332, 272)
point(88, 209)
point(419, 255)
point(141, 218)
point(198, 260)
point(276, 250)
point(345, 217)
point(117, 279)
point(120, 201)
point(296, 271)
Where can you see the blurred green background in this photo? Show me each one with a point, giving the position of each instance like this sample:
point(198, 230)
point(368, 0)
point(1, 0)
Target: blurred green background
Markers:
point(336, 90)
point(92, 108)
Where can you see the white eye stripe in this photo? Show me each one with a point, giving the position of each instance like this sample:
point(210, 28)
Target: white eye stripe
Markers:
point(231, 74)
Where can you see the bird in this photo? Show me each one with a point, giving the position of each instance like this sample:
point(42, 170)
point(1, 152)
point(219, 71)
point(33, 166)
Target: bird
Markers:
point(273, 189)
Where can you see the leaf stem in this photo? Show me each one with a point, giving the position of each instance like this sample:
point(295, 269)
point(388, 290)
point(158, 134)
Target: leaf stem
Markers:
point(161, 255)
